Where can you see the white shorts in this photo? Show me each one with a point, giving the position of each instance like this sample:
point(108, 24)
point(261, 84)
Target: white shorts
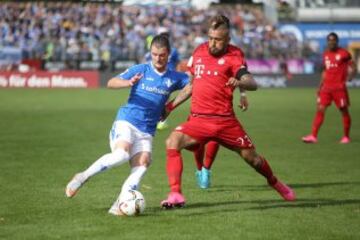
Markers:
point(123, 130)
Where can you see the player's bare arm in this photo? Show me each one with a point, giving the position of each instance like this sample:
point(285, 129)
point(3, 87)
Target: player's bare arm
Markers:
point(244, 104)
point(246, 82)
point(122, 83)
point(185, 93)
point(182, 96)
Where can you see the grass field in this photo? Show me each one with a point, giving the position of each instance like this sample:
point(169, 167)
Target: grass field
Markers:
point(48, 135)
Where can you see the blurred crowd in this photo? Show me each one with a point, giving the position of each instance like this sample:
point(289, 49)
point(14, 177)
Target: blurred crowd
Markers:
point(66, 31)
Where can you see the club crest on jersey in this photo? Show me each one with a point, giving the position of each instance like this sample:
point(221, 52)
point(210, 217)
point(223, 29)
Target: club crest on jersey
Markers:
point(221, 61)
point(337, 57)
point(168, 82)
point(198, 61)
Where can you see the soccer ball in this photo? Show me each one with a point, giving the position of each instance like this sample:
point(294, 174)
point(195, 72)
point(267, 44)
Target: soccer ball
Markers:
point(132, 203)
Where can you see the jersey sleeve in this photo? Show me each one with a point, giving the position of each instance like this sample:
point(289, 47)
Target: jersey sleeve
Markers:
point(238, 63)
point(190, 65)
point(130, 72)
point(184, 80)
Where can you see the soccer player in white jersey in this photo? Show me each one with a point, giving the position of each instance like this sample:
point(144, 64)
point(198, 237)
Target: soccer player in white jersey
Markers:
point(135, 124)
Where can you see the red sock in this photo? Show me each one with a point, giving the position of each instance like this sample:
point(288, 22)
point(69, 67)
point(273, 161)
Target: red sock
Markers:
point(211, 151)
point(199, 157)
point(346, 122)
point(318, 120)
point(174, 168)
point(266, 171)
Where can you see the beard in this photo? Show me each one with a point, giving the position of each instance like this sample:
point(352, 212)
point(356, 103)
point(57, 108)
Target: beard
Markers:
point(216, 52)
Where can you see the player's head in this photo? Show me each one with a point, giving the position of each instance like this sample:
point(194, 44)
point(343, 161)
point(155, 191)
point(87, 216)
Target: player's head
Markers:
point(163, 31)
point(219, 35)
point(160, 50)
point(332, 41)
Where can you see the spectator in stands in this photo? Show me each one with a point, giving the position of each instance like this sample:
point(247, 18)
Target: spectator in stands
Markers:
point(112, 31)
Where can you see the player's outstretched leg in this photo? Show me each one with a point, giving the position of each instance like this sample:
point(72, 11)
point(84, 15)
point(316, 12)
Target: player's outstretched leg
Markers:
point(74, 185)
point(107, 161)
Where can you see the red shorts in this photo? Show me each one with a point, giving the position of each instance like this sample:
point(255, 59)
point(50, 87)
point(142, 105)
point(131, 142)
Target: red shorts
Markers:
point(225, 130)
point(340, 97)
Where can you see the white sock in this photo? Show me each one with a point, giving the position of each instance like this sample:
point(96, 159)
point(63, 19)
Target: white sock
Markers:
point(116, 158)
point(133, 180)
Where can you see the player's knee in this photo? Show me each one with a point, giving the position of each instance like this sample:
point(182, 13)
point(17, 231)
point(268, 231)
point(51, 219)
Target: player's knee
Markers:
point(141, 159)
point(321, 108)
point(172, 142)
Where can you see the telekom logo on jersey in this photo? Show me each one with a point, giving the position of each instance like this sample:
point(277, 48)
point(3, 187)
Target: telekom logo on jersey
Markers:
point(200, 70)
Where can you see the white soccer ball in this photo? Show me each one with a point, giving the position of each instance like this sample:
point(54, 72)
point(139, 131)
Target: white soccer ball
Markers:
point(132, 203)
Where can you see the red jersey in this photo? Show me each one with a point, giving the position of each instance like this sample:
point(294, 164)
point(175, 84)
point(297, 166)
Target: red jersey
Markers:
point(210, 95)
point(336, 65)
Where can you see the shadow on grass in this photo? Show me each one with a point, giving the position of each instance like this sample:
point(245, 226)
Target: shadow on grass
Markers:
point(197, 209)
point(226, 188)
point(308, 203)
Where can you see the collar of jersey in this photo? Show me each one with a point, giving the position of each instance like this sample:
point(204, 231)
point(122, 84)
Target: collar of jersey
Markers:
point(156, 71)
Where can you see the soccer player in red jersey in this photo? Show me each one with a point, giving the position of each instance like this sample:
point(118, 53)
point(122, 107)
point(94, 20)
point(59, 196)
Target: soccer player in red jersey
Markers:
point(338, 69)
point(217, 68)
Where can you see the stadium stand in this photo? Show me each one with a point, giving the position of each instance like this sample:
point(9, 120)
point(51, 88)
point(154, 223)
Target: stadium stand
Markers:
point(68, 32)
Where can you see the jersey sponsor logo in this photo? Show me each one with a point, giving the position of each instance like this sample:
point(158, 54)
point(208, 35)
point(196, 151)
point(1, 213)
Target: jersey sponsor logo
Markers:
point(149, 79)
point(154, 90)
point(199, 70)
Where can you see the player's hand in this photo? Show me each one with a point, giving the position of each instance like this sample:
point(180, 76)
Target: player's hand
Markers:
point(244, 103)
point(167, 110)
point(135, 79)
point(233, 82)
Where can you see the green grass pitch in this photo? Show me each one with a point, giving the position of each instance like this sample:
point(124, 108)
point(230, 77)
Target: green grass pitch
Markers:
point(48, 135)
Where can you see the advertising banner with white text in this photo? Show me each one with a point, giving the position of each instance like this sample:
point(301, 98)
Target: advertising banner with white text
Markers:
point(45, 79)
